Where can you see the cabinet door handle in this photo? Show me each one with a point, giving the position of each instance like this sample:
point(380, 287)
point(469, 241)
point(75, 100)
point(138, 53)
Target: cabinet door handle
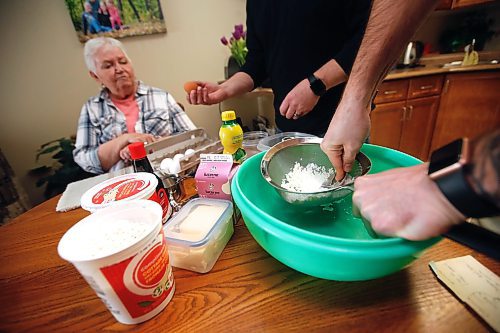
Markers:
point(403, 116)
point(390, 92)
point(446, 85)
point(410, 112)
point(426, 87)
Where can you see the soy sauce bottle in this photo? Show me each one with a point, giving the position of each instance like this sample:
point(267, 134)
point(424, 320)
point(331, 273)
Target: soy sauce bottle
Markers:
point(141, 164)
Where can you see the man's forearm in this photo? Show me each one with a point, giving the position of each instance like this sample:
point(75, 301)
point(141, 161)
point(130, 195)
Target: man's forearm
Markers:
point(387, 32)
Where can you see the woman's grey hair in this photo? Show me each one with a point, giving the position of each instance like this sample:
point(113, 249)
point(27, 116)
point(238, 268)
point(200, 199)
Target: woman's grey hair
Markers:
point(94, 45)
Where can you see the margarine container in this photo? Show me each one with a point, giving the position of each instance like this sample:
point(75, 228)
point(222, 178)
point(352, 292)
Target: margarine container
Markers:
point(198, 233)
point(128, 187)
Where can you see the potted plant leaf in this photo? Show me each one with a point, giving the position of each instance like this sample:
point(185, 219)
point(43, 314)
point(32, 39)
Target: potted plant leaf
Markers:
point(60, 169)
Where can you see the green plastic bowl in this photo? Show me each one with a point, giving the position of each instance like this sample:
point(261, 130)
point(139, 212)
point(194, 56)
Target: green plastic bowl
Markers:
point(329, 242)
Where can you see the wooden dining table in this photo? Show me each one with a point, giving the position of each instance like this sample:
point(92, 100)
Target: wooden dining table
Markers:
point(246, 291)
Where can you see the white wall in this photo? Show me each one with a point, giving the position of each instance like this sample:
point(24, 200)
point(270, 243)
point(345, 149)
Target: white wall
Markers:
point(44, 82)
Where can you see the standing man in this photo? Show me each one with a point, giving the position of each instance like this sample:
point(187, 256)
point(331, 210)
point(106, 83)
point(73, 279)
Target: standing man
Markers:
point(422, 201)
point(390, 26)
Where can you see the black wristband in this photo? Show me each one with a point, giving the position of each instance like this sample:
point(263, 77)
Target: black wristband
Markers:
point(460, 194)
point(316, 85)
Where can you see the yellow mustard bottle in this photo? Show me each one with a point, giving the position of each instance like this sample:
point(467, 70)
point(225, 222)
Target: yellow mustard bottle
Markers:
point(231, 136)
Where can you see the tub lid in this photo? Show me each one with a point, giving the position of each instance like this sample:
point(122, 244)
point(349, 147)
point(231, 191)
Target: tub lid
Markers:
point(270, 141)
point(197, 221)
point(132, 186)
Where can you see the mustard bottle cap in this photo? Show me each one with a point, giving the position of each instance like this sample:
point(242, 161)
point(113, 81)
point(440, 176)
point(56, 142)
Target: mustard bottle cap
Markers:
point(228, 115)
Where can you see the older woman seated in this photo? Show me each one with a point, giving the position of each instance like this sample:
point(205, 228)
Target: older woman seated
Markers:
point(125, 111)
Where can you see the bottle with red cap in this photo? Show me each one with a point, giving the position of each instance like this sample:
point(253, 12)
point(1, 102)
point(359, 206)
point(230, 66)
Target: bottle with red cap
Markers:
point(141, 164)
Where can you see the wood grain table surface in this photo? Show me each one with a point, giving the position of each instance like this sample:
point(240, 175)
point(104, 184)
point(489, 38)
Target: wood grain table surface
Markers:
point(246, 291)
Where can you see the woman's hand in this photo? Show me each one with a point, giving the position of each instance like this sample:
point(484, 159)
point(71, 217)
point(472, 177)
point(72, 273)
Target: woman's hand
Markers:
point(138, 137)
point(207, 93)
point(133, 137)
point(125, 154)
point(299, 101)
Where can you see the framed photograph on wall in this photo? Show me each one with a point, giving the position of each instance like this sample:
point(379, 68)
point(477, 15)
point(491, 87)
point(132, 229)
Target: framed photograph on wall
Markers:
point(115, 18)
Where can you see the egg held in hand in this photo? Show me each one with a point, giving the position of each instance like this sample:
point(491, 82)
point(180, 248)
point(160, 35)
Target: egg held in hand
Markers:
point(190, 85)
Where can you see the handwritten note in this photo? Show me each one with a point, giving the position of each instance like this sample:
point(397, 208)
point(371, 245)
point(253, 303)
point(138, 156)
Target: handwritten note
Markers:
point(474, 284)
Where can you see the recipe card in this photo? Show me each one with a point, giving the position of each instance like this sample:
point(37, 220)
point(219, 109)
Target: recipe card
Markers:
point(474, 284)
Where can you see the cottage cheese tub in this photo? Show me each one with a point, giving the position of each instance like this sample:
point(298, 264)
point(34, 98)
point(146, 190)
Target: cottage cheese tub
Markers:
point(121, 252)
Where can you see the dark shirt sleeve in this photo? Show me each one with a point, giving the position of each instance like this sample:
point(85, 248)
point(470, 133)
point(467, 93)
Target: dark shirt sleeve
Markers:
point(359, 13)
point(255, 59)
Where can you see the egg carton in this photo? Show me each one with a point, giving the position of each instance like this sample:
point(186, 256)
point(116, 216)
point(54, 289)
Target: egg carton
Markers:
point(197, 140)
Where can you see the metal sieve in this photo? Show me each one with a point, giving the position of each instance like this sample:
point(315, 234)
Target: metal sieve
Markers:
point(280, 159)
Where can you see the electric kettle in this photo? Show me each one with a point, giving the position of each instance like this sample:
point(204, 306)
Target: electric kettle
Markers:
point(412, 53)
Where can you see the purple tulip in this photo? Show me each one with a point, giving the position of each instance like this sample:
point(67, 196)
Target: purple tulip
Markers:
point(238, 27)
point(237, 34)
point(223, 40)
point(244, 34)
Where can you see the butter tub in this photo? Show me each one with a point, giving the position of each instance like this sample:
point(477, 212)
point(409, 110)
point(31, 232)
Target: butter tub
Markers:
point(198, 233)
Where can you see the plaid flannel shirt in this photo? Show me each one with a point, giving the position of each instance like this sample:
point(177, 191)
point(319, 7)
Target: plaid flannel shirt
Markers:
point(101, 121)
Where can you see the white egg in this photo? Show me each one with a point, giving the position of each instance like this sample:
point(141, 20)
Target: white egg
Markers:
point(166, 164)
point(176, 166)
point(178, 157)
point(189, 152)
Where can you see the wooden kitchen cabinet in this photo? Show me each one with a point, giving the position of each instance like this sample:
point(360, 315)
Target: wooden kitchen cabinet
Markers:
point(418, 126)
point(392, 91)
point(386, 122)
point(405, 121)
point(470, 106)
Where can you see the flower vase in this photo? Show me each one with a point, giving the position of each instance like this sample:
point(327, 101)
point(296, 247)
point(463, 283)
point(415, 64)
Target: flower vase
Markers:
point(231, 68)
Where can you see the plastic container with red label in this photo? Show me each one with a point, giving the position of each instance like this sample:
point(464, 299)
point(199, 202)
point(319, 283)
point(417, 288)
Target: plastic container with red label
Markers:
point(121, 252)
point(132, 186)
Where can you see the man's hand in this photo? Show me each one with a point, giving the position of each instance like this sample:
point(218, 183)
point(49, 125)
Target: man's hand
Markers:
point(299, 101)
point(348, 130)
point(404, 202)
point(207, 93)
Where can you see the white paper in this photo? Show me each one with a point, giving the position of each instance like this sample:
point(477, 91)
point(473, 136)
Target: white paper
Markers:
point(474, 284)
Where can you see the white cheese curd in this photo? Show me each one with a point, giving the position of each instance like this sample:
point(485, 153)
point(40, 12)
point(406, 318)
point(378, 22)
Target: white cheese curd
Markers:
point(306, 179)
point(97, 238)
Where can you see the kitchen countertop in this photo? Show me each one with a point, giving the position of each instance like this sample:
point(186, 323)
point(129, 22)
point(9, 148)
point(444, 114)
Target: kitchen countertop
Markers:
point(437, 69)
point(434, 64)
point(246, 291)
point(428, 69)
